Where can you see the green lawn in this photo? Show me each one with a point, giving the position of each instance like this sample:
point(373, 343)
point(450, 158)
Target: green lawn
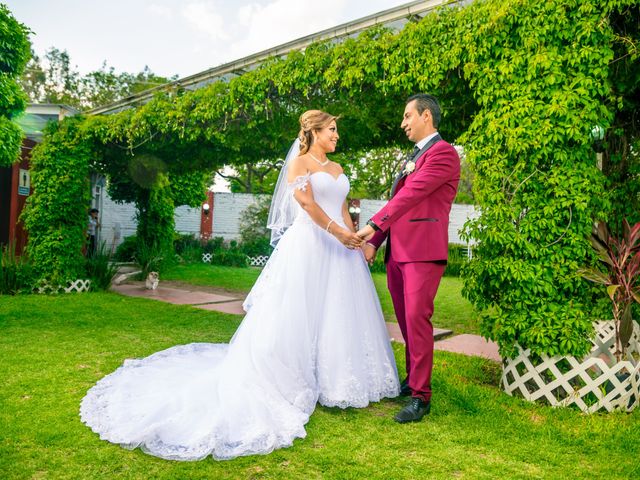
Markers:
point(53, 348)
point(452, 311)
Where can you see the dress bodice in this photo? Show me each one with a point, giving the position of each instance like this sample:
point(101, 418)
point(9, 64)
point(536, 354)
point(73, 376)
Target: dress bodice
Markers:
point(329, 192)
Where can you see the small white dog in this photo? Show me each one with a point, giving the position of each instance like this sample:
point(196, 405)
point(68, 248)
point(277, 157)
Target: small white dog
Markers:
point(152, 281)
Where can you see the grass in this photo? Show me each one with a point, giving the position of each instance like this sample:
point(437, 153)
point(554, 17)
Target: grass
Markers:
point(452, 311)
point(228, 278)
point(53, 348)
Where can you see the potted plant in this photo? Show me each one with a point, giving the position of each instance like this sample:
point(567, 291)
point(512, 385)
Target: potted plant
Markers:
point(608, 378)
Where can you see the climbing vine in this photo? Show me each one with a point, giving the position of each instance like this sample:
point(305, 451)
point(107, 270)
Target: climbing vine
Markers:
point(14, 54)
point(524, 84)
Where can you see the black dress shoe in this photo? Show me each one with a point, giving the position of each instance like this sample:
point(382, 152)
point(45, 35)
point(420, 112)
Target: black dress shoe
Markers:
point(405, 389)
point(414, 411)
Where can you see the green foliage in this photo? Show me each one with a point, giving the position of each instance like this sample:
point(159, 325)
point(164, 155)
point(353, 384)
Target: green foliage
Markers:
point(55, 80)
point(255, 237)
point(56, 213)
point(522, 84)
point(372, 172)
point(14, 43)
point(226, 254)
point(16, 275)
point(187, 248)
point(456, 261)
point(14, 54)
point(378, 265)
point(100, 270)
point(150, 258)
point(11, 136)
point(155, 216)
point(258, 177)
point(126, 251)
point(541, 74)
point(55, 348)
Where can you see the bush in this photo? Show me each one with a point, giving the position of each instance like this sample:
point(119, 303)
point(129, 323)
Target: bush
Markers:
point(230, 258)
point(255, 237)
point(16, 274)
point(256, 247)
point(149, 259)
point(378, 264)
point(457, 258)
point(184, 241)
point(230, 255)
point(213, 245)
point(126, 251)
point(187, 248)
point(100, 270)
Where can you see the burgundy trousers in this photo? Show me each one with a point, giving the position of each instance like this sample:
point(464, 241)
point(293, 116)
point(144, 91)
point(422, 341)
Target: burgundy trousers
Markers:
point(413, 287)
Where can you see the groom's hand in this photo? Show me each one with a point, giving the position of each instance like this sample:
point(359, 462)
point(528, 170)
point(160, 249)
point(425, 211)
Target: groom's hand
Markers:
point(366, 232)
point(369, 253)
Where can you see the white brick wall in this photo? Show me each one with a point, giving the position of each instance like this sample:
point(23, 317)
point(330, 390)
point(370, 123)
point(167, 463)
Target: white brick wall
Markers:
point(227, 212)
point(119, 221)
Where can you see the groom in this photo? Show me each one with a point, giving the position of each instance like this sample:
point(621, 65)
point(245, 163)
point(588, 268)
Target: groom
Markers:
point(415, 224)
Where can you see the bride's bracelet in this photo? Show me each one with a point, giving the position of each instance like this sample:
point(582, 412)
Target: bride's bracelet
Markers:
point(328, 225)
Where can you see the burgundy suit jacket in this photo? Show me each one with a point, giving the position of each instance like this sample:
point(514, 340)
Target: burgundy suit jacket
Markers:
point(417, 216)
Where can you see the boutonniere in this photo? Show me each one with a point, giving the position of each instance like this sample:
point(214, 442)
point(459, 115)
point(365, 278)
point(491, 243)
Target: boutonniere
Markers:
point(409, 167)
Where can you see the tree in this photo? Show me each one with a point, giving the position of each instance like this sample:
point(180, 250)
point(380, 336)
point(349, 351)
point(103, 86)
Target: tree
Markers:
point(55, 80)
point(14, 54)
point(373, 172)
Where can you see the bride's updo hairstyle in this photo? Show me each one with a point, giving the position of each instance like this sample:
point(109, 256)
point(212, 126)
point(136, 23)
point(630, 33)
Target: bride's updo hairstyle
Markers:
point(309, 121)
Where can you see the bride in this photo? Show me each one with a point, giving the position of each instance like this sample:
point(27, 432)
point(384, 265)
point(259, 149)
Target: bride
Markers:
point(313, 332)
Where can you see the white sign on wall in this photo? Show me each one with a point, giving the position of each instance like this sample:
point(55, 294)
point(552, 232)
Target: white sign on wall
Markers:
point(24, 182)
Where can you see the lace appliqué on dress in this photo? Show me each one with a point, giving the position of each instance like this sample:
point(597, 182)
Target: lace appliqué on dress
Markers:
point(300, 183)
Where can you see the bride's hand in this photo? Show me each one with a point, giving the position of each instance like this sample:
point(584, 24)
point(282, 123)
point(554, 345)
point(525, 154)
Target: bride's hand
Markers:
point(347, 238)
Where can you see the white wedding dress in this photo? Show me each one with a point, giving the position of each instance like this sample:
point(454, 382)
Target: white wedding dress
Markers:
point(314, 332)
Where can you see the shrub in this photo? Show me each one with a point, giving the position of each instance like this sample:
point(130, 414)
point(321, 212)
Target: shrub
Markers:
point(126, 251)
point(184, 241)
point(230, 255)
point(457, 259)
point(256, 247)
point(213, 245)
point(187, 248)
point(378, 264)
point(230, 258)
point(150, 259)
point(100, 270)
point(16, 275)
point(255, 237)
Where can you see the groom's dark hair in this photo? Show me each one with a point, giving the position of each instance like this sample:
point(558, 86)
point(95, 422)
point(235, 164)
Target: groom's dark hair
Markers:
point(424, 101)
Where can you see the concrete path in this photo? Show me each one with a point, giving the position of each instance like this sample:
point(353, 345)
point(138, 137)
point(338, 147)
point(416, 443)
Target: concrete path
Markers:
point(466, 344)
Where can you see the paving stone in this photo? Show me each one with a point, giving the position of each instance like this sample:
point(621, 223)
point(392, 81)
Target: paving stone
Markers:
point(395, 334)
point(234, 307)
point(171, 295)
point(468, 344)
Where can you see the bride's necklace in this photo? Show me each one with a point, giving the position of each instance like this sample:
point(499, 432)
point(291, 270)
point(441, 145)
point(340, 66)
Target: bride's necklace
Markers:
point(322, 164)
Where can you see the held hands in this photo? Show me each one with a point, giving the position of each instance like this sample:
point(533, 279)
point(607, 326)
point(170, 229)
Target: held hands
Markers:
point(366, 232)
point(347, 238)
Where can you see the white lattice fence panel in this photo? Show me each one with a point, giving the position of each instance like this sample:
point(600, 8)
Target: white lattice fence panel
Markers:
point(206, 257)
point(77, 286)
point(259, 261)
point(597, 382)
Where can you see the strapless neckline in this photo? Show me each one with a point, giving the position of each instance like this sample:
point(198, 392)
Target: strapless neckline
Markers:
point(327, 173)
